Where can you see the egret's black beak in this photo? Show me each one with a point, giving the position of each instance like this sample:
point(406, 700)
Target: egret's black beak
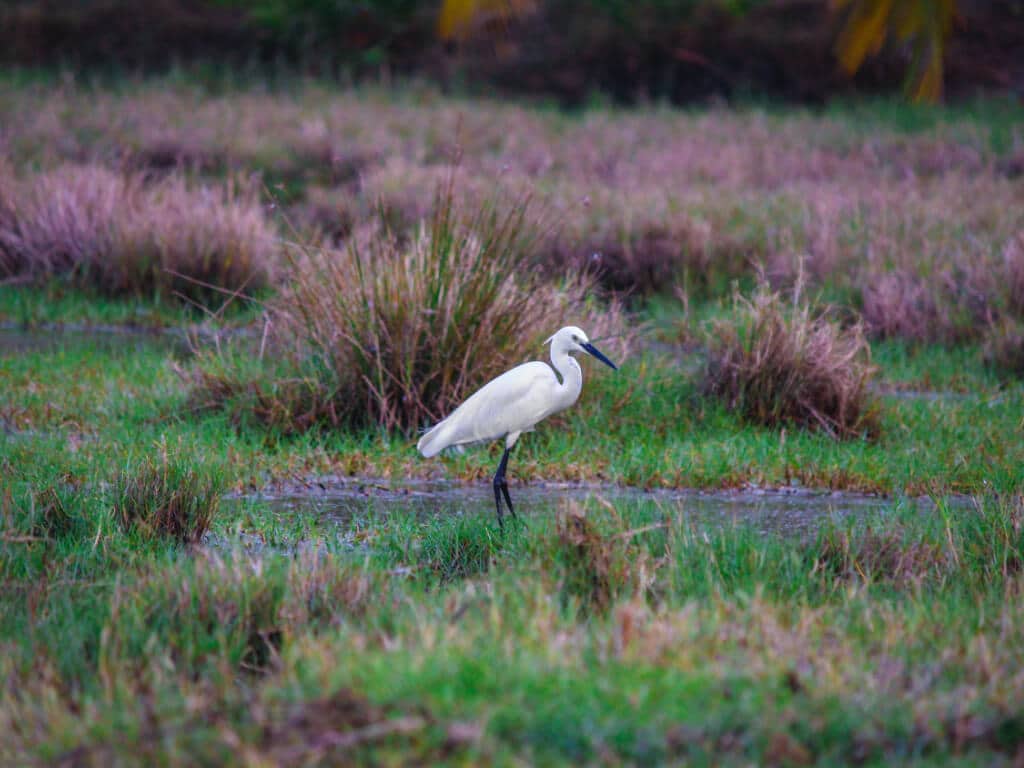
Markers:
point(595, 352)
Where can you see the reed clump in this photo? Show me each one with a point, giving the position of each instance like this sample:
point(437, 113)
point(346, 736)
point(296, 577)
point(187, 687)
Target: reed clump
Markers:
point(167, 497)
point(778, 362)
point(398, 332)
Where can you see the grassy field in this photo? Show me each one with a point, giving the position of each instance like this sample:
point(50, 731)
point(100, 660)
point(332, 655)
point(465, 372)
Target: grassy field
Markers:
point(818, 301)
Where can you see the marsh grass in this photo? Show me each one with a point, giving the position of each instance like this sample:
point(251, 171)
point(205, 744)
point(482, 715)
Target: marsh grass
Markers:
point(167, 497)
point(628, 636)
point(396, 333)
point(778, 363)
point(9, 261)
point(460, 549)
point(46, 514)
point(123, 234)
point(307, 656)
point(645, 255)
point(902, 305)
point(217, 609)
point(965, 298)
point(881, 555)
point(596, 566)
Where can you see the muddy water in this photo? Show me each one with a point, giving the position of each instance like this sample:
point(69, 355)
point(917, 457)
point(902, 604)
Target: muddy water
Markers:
point(798, 513)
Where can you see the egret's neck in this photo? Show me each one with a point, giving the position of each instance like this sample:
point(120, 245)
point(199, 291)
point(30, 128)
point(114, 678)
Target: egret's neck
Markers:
point(571, 373)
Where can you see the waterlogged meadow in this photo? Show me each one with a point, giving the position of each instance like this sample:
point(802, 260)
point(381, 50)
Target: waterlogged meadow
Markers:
point(789, 530)
point(629, 633)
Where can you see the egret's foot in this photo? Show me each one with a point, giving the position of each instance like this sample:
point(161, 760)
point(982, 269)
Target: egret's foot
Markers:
point(508, 499)
point(501, 487)
point(497, 504)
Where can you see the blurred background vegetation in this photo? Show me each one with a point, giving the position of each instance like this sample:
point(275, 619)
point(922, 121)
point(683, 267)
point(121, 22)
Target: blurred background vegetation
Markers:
point(681, 51)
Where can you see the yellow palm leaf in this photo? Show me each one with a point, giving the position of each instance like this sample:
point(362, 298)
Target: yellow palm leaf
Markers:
point(864, 32)
point(458, 16)
point(925, 24)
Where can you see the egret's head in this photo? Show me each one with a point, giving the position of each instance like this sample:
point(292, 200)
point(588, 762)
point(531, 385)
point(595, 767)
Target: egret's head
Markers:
point(573, 339)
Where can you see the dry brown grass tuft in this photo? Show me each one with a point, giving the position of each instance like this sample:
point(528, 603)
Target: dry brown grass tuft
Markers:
point(323, 588)
point(595, 566)
point(328, 729)
point(881, 556)
point(118, 233)
point(1003, 347)
point(167, 497)
point(62, 221)
point(777, 363)
point(398, 333)
point(213, 235)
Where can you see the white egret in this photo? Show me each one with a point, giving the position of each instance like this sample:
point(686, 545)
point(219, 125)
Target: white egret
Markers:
point(514, 403)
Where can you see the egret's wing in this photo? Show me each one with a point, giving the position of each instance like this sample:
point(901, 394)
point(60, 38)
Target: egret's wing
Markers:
point(513, 402)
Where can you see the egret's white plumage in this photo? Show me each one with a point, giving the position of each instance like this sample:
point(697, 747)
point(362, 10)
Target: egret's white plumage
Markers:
point(515, 402)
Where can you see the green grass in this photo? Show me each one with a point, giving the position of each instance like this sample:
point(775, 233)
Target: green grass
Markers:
point(995, 120)
point(720, 641)
point(62, 305)
point(84, 408)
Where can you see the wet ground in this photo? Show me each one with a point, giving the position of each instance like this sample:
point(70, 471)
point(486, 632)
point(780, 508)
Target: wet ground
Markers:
point(348, 506)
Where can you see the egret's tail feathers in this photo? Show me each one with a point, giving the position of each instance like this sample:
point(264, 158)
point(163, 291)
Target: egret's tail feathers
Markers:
point(435, 440)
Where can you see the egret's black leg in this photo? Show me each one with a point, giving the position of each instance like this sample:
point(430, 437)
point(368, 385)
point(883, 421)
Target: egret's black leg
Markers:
point(501, 487)
point(497, 503)
point(508, 500)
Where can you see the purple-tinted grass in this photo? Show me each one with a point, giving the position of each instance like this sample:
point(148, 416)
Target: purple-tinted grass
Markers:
point(120, 234)
point(911, 227)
